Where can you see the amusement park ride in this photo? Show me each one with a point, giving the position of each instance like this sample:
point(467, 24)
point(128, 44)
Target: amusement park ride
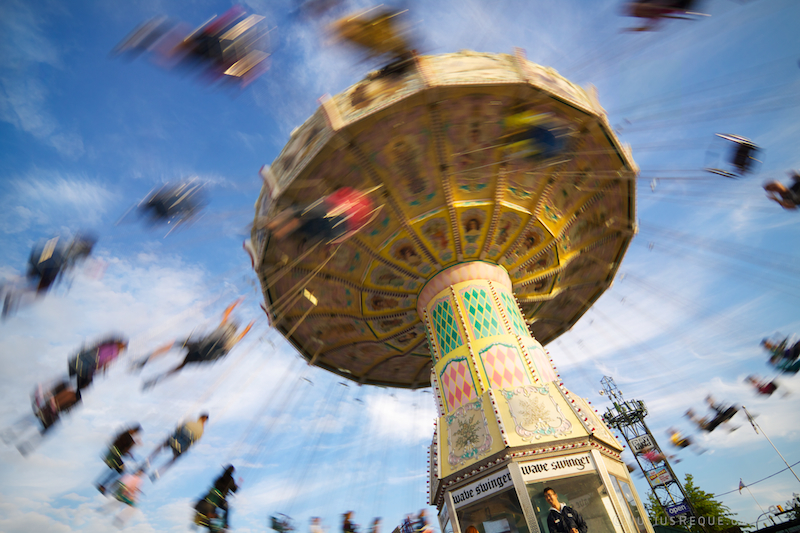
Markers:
point(628, 417)
point(481, 248)
point(438, 223)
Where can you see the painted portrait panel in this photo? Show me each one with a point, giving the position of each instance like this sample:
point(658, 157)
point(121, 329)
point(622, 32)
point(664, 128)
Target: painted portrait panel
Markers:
point(537, 265)
point(583, 269)
point(409, 337)
point(332, 296)
point(315, 332)
point(406, 254)
point(385, 304)
point(380, 229)
point(610, 250)
point(532, 239)
point(535, 287)
point(349, 261)
point(572, 189)
point(589, 225)
point(473, 228)
point(338, 168)
point(333, 331)
point(563, 307)
point(525, 181)
point(402, 150)
point(381, 276)
point(473, 127)
point(508, 227)
point(345, 261)
point(391, 325)
point(436, 234)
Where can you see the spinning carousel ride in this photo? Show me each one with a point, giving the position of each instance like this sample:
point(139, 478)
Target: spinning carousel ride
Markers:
point(508, 205)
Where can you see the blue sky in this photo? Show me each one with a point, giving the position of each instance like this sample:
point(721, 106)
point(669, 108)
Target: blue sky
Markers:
point(84, 137)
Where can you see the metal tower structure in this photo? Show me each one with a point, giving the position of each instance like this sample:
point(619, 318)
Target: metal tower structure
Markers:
point(628, 418)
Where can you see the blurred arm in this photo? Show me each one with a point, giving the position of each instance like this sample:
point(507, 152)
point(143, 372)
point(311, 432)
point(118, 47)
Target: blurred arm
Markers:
point(243, 333)
point(230, 309)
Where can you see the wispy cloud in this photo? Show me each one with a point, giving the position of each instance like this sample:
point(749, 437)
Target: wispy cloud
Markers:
point(50, 199)
point(26, 51)
point(393, 420)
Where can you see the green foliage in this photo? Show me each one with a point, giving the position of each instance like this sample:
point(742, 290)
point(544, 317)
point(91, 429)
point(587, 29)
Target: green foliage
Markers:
point(704, 505)
point(793, 507)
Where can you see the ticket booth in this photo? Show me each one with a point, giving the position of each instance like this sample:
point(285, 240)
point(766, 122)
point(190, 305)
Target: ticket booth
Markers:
point(510, 498)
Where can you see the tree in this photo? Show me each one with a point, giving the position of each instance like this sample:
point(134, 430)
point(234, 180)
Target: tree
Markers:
point(793, 506)
point(712, 515)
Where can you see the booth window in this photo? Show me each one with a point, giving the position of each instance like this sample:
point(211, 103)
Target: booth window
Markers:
point(444, 520)
point(498, 513)
point(584, 493)
point(448, 526)
point(628, 503)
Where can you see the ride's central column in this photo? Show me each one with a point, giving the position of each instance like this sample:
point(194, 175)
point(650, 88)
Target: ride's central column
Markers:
point(507, 426)
point(479, 340)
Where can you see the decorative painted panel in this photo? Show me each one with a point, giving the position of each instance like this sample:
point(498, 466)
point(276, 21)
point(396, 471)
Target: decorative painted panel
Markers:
point(448, 334)
point(514, 316)
point(401, 150)
point(483, 319)
point(468, 435)
point(508, 227)
point(536, 414)
point(540, 360)
point(502, 364)
point(407, 338)
point(536, 266)
point(383, 303)
point(436, 234)
point(392, 325)
point(333, 331)
point(534, 239)
point(458, 387)
point(473, 228)
point(385, 278)
point(473, 125)
point(404, 252)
